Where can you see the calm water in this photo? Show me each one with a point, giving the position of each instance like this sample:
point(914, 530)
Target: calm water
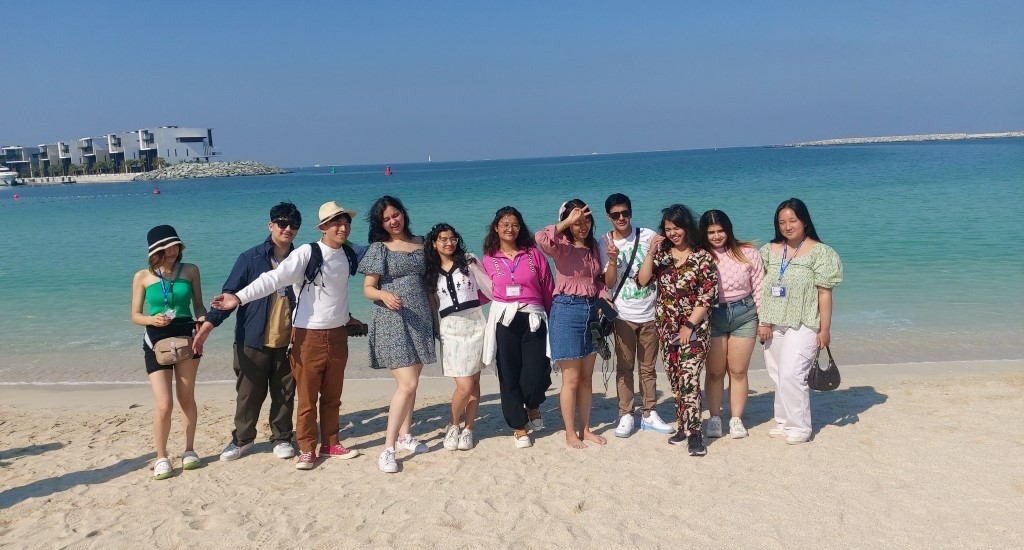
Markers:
point(930, 235)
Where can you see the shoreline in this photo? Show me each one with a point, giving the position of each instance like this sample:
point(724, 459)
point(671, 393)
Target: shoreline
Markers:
point(910, 138)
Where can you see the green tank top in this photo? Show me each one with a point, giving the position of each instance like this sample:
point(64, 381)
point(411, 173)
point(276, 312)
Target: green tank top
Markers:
point(178, 296)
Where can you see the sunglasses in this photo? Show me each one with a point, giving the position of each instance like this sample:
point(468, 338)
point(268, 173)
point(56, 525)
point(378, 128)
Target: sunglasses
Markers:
point(622, 214)
point(284, 223)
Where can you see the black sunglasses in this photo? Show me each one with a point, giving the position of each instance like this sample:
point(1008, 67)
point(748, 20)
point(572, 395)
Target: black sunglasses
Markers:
point(283, 223)
point(617, 215)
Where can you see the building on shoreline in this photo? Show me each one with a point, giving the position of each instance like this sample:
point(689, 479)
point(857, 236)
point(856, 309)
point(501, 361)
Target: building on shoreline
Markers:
point(131, 151)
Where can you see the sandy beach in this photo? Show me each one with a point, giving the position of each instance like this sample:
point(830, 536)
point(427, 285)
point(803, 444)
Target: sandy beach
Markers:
point(910, 456)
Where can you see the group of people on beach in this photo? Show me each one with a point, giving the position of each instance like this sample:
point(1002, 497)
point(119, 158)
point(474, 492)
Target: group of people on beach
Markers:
point(691, 289)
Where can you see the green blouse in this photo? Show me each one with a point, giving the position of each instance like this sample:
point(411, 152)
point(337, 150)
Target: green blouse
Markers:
point(820, 267)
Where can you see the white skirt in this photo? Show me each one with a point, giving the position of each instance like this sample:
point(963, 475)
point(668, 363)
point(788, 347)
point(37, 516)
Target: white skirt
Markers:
point(462, 343)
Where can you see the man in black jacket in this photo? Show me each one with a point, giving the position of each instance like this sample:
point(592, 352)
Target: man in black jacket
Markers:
point(262, 334)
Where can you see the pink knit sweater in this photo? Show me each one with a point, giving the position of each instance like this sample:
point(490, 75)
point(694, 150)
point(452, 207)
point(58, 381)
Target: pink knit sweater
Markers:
point(736, 279)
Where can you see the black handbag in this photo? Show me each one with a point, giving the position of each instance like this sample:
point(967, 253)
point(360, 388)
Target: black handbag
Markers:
point(824, 379)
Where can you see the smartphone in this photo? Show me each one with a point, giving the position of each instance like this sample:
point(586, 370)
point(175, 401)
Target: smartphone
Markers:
point(674, 342)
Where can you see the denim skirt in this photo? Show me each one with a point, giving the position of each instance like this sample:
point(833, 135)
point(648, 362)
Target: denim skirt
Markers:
point(569, 332)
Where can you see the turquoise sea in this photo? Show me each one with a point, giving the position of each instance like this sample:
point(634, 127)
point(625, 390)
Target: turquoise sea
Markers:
point(930, 234)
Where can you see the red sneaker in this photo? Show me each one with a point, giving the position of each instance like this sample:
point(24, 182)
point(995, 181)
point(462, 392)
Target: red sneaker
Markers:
point(306, 461)
point(337, 451)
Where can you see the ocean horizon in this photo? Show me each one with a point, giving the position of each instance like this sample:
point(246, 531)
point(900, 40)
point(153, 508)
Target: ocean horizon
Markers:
point(904, 217)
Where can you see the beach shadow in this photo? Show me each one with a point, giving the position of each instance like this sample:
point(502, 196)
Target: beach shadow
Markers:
point(53, 485)
point(840, 407)
point(31, 450)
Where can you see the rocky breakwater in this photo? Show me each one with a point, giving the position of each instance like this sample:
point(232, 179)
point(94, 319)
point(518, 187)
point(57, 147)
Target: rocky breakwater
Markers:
point(187, 170)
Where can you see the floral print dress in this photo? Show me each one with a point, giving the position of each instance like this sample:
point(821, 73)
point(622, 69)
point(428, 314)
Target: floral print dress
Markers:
point(681, 289)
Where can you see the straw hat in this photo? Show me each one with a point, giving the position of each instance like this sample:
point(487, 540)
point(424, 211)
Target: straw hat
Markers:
point(330, 210)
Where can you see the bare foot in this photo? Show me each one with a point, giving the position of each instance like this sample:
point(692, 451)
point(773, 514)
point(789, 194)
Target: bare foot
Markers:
point(574, 442)
point(588, 436)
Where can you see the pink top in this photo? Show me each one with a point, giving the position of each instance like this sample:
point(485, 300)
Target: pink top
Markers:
point(580, 270)
point(529, 269)
point(736, 279)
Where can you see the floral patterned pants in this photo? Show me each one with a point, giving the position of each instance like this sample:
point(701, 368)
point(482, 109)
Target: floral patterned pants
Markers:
point(683, 365)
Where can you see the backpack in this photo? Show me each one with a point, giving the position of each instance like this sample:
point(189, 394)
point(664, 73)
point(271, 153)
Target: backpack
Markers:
point(315, 266)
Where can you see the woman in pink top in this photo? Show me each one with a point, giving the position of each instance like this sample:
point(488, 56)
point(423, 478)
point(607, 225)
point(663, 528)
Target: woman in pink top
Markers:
point(733, 320)
point(517, 334)
point(579, 264)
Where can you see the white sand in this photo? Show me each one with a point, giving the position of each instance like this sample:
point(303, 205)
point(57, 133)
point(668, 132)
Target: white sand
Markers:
point(920, 456)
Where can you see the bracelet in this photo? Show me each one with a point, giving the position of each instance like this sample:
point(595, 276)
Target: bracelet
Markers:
point(689, 325)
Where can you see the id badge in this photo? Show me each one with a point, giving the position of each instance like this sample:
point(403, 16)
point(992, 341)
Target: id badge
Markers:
point(282, 292)
point(170, 314)
point(779, 291)
point(513, 291)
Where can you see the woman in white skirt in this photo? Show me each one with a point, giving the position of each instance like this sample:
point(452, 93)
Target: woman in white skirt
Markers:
point(458, 287)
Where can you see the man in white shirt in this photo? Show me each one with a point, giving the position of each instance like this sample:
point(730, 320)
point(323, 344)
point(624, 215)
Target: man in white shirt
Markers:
point(636, 334)
point(321, 324)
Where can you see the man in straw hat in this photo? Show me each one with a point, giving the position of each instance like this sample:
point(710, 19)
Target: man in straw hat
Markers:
point(320, 328)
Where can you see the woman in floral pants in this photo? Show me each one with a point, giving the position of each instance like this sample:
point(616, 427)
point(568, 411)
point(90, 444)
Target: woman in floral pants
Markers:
point(687, 282)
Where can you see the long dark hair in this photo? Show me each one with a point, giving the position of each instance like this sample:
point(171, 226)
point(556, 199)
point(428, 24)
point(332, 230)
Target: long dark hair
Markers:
point(681, 216)
point(800, 209)
point(732, 244)
point(433, 260)
point(375, 219)
point(524, 239)
point(589, 240)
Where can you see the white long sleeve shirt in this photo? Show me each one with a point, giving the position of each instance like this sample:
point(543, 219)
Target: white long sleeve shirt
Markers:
point(324, 303)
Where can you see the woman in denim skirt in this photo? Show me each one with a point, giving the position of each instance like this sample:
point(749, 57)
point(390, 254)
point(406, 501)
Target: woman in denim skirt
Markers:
point(579, 265)
point(733, 320)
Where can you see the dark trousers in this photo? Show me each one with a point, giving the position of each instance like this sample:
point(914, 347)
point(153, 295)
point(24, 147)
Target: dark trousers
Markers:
point(318, 363)
point(260, 371)
point(524, 370)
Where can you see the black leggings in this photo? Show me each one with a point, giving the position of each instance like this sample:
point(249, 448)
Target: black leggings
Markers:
point(524, 370)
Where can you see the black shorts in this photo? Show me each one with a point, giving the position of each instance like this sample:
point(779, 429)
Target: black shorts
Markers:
point(178, 327)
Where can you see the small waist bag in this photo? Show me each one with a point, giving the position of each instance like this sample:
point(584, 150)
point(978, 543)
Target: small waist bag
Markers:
point(173, 350)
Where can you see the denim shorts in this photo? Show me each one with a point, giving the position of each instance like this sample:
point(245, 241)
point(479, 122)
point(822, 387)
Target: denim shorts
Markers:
point(569, 332)
point(737, 318)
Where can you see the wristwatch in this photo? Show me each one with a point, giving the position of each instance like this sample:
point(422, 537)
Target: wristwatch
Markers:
point(689, 325)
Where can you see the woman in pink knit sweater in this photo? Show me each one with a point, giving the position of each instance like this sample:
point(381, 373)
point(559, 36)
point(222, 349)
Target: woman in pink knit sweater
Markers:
point(733, 320)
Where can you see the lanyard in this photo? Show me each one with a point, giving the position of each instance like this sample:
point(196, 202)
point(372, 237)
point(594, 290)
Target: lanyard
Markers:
point(512, 268)
point(168, 297)
point(784, 265)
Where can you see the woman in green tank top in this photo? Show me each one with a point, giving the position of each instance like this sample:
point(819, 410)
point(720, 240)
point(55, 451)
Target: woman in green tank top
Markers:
point(164, 296)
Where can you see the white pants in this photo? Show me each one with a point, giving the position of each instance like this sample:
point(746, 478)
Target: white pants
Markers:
point(789, 356)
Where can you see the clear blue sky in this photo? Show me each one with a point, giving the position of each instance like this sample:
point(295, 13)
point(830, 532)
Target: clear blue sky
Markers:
point(373, 82)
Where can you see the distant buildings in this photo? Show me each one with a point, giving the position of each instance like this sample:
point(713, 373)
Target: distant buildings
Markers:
point(134, 151)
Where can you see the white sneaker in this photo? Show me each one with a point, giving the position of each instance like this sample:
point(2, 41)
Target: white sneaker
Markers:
point(451, 438)
point(654, 423)
point(522, 441)
point(777, 431)
point(411, 444)
point(466, 441)
point(233, 452)
point(714, 427)
point(736, 428)
point(386, 463)
point(625, 428)
point(797, 439)
point(284, 450)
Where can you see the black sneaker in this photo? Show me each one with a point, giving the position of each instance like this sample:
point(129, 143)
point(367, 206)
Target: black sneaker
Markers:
point(695, 445)
point(678, 438)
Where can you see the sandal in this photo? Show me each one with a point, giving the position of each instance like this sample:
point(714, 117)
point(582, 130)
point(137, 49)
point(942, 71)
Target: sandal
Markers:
point(189, 460)
point(162, 469)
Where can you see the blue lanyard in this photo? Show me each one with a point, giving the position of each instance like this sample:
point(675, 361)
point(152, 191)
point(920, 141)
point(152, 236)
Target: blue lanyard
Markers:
point(784, 265)
point(166, 290)
point(512, 268)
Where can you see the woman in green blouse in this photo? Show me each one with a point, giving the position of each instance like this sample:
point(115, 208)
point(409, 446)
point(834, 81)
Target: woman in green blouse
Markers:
point(796, 313)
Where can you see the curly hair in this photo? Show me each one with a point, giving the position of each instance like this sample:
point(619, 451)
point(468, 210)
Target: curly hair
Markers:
point(524, 240)
point(432, 260)
point(375, 219)
point(682, 217)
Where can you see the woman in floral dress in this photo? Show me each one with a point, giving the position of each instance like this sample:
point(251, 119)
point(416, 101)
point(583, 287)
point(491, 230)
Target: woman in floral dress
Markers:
point(687, 282)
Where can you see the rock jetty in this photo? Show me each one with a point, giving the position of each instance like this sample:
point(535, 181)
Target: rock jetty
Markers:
point(899, 139)
point(188, 170)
